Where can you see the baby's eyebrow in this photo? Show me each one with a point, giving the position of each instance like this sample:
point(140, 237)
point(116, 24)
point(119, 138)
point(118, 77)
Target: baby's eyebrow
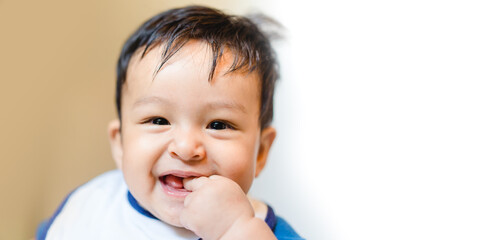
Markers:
point(150, 99)
point(228, 105)
point(212, 105)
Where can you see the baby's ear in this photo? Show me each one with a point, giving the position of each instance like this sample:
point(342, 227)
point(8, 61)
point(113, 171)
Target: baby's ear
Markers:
point(116, 141)
point(266, 140)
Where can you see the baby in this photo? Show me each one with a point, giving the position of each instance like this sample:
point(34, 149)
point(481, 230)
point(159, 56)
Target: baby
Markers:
point(195, 101)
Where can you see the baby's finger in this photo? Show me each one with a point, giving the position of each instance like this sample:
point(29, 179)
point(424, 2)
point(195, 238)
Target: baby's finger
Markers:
point(195, 183)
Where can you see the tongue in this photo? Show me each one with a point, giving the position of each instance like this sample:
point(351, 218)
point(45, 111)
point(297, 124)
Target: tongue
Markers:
point(174, 181)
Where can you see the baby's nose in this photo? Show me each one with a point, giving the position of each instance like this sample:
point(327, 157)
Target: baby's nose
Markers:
point(187, 146)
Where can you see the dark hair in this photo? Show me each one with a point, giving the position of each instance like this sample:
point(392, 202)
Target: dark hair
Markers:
point(173, 28)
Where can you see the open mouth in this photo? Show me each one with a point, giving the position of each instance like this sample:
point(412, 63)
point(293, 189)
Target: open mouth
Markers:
point(173, 183)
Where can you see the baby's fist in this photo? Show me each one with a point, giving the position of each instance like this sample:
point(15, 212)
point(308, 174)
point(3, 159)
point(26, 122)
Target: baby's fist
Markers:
point(215, 205)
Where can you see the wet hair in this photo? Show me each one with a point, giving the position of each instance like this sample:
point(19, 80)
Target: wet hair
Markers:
point(172, 29)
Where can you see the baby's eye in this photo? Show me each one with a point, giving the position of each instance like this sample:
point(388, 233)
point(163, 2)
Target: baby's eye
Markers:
point(219, 125)
point(160, 121)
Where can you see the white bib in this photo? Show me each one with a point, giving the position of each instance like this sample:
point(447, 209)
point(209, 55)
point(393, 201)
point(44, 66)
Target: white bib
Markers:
point(100, 210)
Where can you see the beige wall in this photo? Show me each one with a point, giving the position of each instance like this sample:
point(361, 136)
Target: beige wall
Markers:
point(57, 75)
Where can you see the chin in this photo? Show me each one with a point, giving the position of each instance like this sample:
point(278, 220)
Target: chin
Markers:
point(172, 220)
point(171, 214)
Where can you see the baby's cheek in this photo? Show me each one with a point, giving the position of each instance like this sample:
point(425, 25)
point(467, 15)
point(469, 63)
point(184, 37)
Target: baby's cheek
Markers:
point(137, 164)
point(150, 145)
point(144, 150)
point(242, 172)
point(136, 175)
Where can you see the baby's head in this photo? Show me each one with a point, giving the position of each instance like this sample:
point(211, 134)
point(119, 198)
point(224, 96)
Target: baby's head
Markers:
point(194, 98)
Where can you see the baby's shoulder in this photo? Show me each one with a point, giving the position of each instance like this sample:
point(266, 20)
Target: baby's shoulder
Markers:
point(98, 192)
point(86, 204)
point(108, 183)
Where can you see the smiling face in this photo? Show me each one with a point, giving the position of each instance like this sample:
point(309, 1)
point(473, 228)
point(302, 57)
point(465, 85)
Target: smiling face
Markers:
point(178, 125)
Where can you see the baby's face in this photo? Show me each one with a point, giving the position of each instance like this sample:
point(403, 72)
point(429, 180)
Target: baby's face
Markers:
point(179, 125)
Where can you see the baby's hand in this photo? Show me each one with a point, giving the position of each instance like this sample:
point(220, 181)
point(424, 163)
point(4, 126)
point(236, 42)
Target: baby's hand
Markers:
point(216, 206)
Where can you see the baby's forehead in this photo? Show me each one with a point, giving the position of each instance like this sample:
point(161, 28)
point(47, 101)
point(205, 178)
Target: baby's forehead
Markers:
point(226, 60)
point(190, 65)
point(147, 64)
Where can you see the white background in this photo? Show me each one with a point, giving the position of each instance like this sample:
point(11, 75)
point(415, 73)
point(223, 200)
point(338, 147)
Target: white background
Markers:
point(382, 113)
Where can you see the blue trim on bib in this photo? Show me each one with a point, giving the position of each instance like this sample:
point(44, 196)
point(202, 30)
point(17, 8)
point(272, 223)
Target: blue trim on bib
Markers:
point(283, 231)
point(270, 219)
point(138, 207)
